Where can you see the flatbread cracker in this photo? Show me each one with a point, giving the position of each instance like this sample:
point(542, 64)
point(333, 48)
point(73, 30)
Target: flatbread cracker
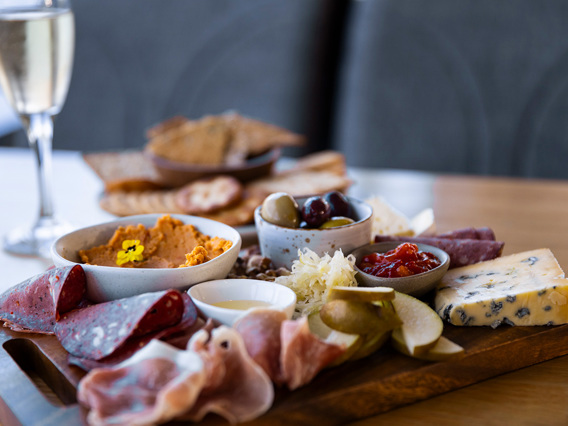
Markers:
point(133, 203)
point(124, 171)
point(166, 126)
point(328, 161)
point(253, 137)
point(214, 140)
point(209, 195)
point(302, 183)
point(241, 213)
point(203, 143)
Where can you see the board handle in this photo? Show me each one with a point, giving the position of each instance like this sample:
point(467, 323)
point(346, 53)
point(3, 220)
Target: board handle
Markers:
point(32, 389)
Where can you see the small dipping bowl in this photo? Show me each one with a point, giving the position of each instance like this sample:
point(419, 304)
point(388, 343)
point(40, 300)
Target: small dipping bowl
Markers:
point(414, 285)
point(105, 283)
point(269, 294)
point(281, 244)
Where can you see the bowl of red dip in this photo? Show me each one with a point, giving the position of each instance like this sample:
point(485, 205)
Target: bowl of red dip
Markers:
point(409, 268)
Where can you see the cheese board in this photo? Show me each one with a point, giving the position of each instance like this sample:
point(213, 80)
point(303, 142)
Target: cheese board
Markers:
point(39, 385)
point(37, 375)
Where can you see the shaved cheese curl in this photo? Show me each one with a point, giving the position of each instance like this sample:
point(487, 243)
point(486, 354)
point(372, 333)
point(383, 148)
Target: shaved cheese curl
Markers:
point(312, 276)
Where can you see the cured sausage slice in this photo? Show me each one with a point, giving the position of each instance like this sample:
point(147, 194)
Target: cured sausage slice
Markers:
point(99, 330)
point(36, 304)
point(177, 335)
point(470, 233)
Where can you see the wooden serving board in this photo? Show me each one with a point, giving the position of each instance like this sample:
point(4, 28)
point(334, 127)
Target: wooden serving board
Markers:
point(37, 386)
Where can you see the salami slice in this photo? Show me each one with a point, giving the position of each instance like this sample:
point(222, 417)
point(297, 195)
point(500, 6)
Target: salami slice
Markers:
point(99, 330)
point(177, 335)
point(470, 234)
point(36, 304)
point(462, 252)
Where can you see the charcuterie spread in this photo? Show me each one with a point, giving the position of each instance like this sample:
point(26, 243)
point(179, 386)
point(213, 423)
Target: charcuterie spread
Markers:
point(168, 361)
point(169, 244)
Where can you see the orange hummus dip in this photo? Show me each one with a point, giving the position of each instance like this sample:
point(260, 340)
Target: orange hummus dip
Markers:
point(169, 244)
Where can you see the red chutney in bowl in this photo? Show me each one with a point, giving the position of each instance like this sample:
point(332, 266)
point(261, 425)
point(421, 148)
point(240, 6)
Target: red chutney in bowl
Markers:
point(404, 260)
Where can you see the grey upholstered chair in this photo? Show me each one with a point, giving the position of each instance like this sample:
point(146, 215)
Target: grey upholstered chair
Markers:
point(469, 86)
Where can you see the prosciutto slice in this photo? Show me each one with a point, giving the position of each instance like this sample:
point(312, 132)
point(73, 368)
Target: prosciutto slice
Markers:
point(99, 330)
point(303, 353)
point(160, 383)
point(260, 330)
point(236, 388)
point(36, 304)
point(286, 349)
point(156, 385)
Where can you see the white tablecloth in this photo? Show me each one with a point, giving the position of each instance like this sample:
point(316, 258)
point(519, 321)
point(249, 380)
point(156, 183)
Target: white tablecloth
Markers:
point(77, 189)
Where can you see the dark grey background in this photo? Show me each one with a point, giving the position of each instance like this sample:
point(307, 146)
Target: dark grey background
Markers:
point(462, 86)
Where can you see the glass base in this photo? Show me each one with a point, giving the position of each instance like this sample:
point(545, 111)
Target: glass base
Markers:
point(37, 240)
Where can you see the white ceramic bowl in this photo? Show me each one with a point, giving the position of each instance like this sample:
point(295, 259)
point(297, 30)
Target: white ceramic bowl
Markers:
point(415, 285)
point(106, 283)
point(207, 293)
point(281, 244)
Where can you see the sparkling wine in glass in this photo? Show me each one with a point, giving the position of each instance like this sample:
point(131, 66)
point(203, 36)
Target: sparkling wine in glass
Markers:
point(37, 40)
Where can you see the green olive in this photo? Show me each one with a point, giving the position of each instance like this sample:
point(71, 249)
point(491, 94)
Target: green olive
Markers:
point(281, 209)
point(336, 221)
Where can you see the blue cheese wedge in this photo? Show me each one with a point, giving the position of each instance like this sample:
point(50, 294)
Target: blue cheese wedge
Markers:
point(526, 288)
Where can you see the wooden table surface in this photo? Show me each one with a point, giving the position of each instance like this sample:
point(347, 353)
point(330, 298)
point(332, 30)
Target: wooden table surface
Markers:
point(526, 214)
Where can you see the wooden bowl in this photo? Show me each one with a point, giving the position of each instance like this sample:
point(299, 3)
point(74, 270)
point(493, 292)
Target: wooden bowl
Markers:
point(176, 174)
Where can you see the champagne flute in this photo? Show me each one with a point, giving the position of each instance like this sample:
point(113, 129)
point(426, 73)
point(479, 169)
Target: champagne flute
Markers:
point(37, 39)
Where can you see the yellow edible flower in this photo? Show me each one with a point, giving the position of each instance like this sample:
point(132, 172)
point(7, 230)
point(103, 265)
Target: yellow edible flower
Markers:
point(132, 252)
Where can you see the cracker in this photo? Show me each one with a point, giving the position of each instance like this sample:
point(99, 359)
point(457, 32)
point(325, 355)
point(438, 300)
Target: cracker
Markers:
point(133, 203)
point(165, 126)
point(241, 213)
point(203, 142)
point(252, 137)
point(328, 161)
point(302, 183)
point(209, 195)
point(124, 171)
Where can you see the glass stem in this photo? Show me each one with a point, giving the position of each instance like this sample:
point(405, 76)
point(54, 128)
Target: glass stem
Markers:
point(40, 136)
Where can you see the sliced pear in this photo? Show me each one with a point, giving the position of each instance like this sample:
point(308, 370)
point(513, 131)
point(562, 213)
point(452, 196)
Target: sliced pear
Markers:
point(360, 294)
point(370, 344)
point(444, 349)
point(317, 326)
point(352, 317)
point(388, 314)
point(351, 342)
point(421, 326)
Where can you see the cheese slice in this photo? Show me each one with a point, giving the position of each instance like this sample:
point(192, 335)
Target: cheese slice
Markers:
point(387, 220)
point(527, 288)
